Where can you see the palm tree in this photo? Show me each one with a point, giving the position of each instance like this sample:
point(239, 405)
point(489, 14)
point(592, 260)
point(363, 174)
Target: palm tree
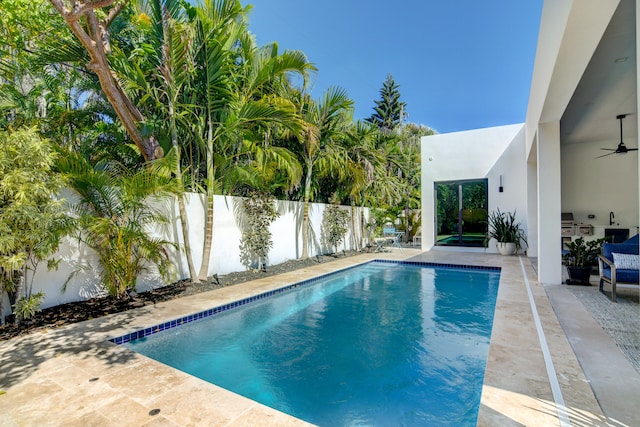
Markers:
point(324, 124)
point(113, 216)
point(173, 57)
point(157, 75)
point(239, 105)
point(366, 165)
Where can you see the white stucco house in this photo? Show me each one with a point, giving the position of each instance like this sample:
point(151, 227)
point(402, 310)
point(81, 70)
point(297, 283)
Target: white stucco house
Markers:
point(585, 76)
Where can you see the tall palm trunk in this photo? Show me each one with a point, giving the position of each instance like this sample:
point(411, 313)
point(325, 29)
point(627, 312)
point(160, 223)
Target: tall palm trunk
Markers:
point(208, 236)
point(184, 220)
point(354, 226)
point(362, 225)
point(305, 213)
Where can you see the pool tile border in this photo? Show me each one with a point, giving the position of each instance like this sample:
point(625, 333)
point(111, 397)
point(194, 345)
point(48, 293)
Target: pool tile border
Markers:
point(141, 333)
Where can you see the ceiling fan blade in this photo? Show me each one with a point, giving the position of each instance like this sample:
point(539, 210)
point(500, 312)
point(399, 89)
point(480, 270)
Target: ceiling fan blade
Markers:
point(632, 149)
point(604, 155)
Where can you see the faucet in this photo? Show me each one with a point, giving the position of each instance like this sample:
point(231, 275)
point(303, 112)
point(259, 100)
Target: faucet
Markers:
point(611, 216)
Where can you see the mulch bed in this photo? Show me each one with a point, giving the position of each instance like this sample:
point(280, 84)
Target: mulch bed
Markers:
point(96, 307)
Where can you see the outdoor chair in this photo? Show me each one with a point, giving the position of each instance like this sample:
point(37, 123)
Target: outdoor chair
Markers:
point(618, 265)
point(417, 238)
point(394, 236)
point(389, 236)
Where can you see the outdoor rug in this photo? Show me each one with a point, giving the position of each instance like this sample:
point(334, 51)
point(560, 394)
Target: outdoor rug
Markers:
point(621, 320)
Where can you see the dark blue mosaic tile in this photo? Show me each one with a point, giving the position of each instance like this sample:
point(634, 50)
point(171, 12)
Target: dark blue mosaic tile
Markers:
point(216, 310)
point(439, 265)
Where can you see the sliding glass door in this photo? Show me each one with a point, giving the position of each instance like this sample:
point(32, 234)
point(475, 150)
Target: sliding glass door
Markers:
point(461, 212)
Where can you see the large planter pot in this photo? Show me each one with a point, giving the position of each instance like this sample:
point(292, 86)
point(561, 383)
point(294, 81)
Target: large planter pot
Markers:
point(508, 248)
point(578, 275)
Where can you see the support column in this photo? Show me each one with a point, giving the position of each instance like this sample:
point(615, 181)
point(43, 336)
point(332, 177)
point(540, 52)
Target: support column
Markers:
point(532, 202)
point(549, 204)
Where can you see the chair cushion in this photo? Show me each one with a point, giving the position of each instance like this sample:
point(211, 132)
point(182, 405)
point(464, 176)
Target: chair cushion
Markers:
point(622, 276)
point(625, 261)
point(633, 240)
point(627, 276)
point(619, 248)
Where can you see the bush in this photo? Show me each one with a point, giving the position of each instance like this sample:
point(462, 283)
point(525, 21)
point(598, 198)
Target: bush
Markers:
point(259, 212)
point(27, 307)
point(32, 220)
point(335, 225)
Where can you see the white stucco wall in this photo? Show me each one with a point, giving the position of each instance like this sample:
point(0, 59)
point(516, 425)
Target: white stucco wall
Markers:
point(569, 32)
point(62, 286)
point(598, 186)
point(483, 153)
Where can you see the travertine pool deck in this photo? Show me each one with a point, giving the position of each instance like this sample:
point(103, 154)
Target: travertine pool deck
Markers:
point(72, 376)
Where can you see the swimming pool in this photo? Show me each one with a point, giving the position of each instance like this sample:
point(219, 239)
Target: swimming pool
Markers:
point(380, 344)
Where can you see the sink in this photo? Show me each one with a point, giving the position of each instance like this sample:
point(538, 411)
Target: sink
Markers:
point(617, 235)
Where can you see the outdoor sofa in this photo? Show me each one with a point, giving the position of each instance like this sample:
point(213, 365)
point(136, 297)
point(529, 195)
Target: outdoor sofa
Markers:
point(618, 264)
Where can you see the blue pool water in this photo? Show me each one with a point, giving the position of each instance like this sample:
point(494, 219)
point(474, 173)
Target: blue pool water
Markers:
point(381, 344)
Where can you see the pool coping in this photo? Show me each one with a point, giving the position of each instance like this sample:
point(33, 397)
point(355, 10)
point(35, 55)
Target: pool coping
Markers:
point(73, 376)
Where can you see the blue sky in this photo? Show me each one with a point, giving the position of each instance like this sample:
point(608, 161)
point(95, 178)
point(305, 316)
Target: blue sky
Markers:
point(460, 64)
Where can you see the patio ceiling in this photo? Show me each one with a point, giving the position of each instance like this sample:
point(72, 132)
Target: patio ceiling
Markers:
point(607, 88)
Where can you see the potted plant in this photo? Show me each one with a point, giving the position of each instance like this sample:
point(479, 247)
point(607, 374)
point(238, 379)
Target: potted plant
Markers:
point(580, 257)
point(507, 232)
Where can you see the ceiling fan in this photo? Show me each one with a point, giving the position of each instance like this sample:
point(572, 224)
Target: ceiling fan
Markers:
point(621, 148)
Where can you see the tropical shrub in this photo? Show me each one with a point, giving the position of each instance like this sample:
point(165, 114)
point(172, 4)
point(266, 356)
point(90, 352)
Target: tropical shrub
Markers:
point(32, 220)
point(26, 308)
point(114, 213)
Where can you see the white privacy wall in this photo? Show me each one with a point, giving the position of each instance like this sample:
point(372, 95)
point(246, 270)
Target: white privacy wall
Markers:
point(63, 285)
point(478, 154)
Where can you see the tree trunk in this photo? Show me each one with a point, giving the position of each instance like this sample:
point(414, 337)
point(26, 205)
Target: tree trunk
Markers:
point(185, 235)
point(354, 226)
point(96, 41)
point(2, 319)
point(19, 290)
point(362, 227)
point(305, 214)
point(208, 234)
point(184, 219)
point(208, 237)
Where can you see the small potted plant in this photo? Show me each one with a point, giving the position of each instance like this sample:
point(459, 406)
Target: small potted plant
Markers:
point(507, 232)
point(580, 257)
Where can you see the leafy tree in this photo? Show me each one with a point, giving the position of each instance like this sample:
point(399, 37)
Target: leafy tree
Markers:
point(32, 220)
point(90, 21)
point(389, 111)
point(115, 209)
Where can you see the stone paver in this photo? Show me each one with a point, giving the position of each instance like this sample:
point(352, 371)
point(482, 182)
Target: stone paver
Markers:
point(71, 376)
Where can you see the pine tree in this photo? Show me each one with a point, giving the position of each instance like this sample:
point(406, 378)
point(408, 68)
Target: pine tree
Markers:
point(389, 110)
